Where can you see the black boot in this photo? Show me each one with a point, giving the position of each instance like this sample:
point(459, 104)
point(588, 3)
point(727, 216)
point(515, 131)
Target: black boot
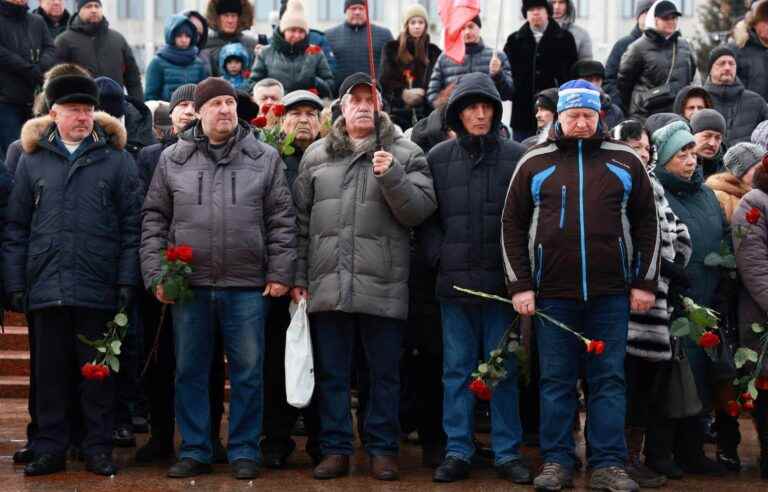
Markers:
point(689, 452)
point(761, 422)
point(728, 440)
point(659, 444)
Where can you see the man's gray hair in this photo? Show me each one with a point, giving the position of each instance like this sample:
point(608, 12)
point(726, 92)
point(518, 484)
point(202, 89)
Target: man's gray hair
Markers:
point(267, 83)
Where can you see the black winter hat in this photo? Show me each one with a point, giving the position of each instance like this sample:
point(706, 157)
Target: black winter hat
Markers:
point(229, 7)
point(529, 4)
point(587, 68)
point(349, 3)
point(247, 109)
point(82, 3)
point(111, 96)
point(72, 89)
point(182, 93)
point(716, 53)
point(353, 81)
point(660, 120)
point(547, 99)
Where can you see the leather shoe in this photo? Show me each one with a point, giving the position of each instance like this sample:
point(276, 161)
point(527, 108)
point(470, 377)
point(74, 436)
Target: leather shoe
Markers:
point(275, 453)
point(23, 455)
point(243, 469)
point(451, 470)
point(187, 467)
point(515, 471)
point(332, 466)
point(385, 468)
point(45, 464)
point(123, 436)
point(101, 464)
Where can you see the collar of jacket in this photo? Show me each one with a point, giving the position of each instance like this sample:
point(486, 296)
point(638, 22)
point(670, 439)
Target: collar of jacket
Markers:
point(62, 22)
point(475, 48)
point(193, 140)
point(679, 186)
point(479, 146)
point(282, 46)
point(356, 28)
point(38, 130)
point(553, 30)
point(8, 9)
point(655, 36)
point(339, 145)
point(571, 144)
point(636, 32)
point(88, 28)
point(730, 91)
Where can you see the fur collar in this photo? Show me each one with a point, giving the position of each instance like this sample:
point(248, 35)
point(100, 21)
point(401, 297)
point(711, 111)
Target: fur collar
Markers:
point(37, 128)
point(727, 183)
point(338, 144)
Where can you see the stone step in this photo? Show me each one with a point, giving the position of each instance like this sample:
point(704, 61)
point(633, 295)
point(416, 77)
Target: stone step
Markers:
point(14, 363)
point(15, 338)
point(14, 319)
point(14, 387)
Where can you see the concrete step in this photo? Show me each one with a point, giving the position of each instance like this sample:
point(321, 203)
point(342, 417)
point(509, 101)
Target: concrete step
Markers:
point(14, 387)
point(15, 338)
point(14, 319)
point(14, 363)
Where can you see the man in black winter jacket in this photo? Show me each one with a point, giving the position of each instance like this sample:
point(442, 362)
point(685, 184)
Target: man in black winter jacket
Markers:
point(26, 52)
point(614, 59)
point(54, 14)
point(90, 43)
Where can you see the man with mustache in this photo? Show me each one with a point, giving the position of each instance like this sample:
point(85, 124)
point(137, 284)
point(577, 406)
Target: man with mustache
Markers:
point(708, 127)
point(742, 109)
point(357, 197)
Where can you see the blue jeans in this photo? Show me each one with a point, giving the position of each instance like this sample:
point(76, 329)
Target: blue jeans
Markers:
point(603, 318)
point(12, 118)
point(333, 336)
point(240, 315)
point(471, 332)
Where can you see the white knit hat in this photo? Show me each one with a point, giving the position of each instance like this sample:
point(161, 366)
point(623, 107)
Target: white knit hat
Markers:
point(294, 17)
point(415, 10)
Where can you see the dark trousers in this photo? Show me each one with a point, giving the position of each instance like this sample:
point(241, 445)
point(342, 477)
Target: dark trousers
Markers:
point(279, 416)
point(127, 386)
point(58, 357)
point(160, 376)
point(31, 402)
point(381, 338)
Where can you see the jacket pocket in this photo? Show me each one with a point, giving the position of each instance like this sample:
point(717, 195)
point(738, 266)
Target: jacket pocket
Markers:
point(563, 203)
point(200, 187)
point(623, 259)
point(539, 264)
point(234, 188)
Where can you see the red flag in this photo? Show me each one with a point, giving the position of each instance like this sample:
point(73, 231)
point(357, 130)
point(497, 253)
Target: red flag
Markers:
point(455, 14)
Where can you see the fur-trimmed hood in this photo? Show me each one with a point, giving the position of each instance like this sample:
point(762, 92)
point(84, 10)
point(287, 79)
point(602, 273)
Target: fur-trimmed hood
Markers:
point(743, 30)
point(246, 18)
point(338, 144)
point(727, 183)
point(37, 128)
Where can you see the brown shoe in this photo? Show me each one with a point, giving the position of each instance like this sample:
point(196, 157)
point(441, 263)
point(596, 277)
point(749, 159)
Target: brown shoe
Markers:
point(385, 468)
point(332, 466)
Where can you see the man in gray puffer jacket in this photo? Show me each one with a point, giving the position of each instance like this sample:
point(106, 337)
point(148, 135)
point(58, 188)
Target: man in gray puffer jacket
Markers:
point(742, 109)
point(224, 193)
point(355, 207)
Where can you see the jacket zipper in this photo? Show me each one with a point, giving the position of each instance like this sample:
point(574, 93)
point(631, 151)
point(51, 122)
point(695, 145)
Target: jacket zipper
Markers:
point(582, 233)
point(103, 188)
point(234, 188)
point(364, 186)
point(623, 255)
point(562, 207)
point(200, 187)
point(540, 264)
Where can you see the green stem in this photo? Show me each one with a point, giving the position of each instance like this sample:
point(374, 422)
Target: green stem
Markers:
point(561, 325)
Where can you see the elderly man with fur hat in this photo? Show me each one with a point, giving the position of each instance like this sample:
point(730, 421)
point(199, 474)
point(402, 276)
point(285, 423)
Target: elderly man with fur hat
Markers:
point(227, 20)
point(71, 262)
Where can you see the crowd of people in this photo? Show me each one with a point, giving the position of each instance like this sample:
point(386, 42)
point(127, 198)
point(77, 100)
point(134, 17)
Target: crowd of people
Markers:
point(616, 197)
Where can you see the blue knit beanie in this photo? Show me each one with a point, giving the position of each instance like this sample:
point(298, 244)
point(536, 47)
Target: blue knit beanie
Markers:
point(578, 94)
point(669, 140)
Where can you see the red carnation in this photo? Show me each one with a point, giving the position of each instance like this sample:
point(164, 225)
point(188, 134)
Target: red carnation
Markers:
point(314, 91)
point(94, 372)
point(753, 215)
point(278, 110)
point(184, 253)
point(746, 396)
point(259, 121)
point(171, 254)
point(408, 74)
point(596, 346)
point(313, 49)
point(748, 405)
point(266, 108)
point(247, 74)
point(480, 389)
point(709, 340)
point(733, 408)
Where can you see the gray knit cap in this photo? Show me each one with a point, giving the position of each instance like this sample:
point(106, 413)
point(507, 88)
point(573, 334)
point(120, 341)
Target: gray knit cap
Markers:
point(760, 134)
point(741, 157)
point(708, 119)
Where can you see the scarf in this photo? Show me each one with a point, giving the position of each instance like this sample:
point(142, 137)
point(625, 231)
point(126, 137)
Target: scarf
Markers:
point(178, 56)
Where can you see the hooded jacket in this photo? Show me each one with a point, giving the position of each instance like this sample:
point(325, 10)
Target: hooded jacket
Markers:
point(217, 39)
point(751, 53)
point(580, 220)
point(102, 51)
point(236, 213)
point(471, 175)
point(354, 226)
point(72, 235)
point(688, 92)
point(138, 124)
point(742, 109)
point(647, 64)
point(54, 29)
point(729, 191)
point(241, 80)
point(171, 68)
point(580, 35)
point(614, 60)
point(350, 46)
point(537, 66)
point(26, 52)
point(295, 66)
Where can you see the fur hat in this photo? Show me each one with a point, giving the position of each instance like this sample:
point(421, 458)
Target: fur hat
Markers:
point(530, 4)
point(294, 17)
point(229, 7)
point(72, 89)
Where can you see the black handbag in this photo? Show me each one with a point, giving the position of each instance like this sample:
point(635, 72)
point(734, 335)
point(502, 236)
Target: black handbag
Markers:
point(660, 97)
point(681, 395)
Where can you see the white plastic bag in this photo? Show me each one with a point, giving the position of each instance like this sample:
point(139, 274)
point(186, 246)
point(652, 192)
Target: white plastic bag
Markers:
point(299, 365)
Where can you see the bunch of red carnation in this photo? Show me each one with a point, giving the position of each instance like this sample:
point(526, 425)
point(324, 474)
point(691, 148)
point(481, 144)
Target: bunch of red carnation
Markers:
point(94, 372)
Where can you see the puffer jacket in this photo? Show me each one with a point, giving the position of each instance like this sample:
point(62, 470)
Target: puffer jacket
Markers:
point(430, 131)
point(477, 59)
point(102, 51)
point(614, 60)
point(354, 226)
point(646, 65)
point(535, 67)
point(138, 124)
point(688, 92)
point(729, 191)
point(72, 235)
point(471, 175)
point(240, 81)
point(580, 220)
point(295, 66)
point(217, 39)
point(350, 46)
point(751, 56)
point(236, 214)
point(697, 207)
point(742, 109)
point(26, 52)
point(580, 35)
point(172, 68)
point(751, 249)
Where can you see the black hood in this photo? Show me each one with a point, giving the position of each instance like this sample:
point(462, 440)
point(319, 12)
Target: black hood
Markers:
point(691, 91)
point(473, 85)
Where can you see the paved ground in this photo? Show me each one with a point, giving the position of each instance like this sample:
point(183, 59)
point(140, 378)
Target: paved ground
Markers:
point(297, 477)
